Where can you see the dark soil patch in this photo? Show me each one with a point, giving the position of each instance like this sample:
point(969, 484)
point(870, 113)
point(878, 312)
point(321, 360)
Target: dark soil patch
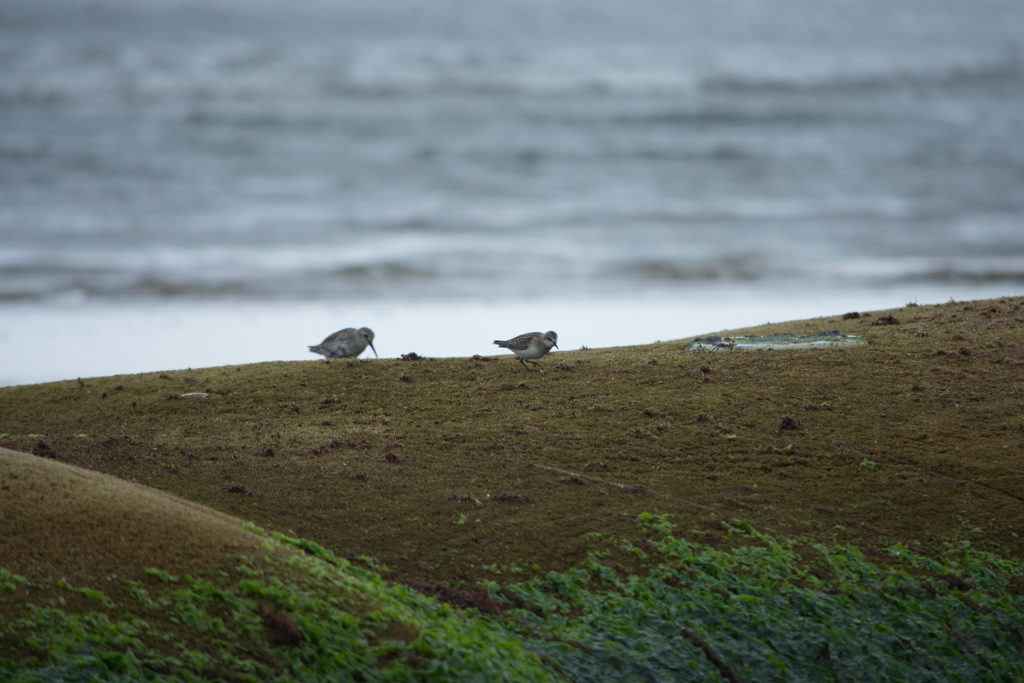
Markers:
point(477, 598)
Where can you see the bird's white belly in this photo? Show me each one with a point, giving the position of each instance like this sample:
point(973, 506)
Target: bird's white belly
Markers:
point(342, 349)
point(530, 352)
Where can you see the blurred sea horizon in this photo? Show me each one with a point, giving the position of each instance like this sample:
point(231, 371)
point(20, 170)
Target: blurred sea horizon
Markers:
point(440, 162)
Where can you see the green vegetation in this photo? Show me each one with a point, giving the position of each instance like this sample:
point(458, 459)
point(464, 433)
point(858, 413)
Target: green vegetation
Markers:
point(757, 612)
point(302, 618)
point(762, 613)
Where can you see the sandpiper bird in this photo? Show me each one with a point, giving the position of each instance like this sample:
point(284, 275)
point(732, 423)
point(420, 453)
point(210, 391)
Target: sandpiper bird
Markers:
point(530, 345)
point(345, 343)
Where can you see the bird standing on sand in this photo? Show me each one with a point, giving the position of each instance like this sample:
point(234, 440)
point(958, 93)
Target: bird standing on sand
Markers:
point(530, 345)
point(346, 343)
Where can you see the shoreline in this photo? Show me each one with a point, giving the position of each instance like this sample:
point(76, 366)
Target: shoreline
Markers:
point(54, 342)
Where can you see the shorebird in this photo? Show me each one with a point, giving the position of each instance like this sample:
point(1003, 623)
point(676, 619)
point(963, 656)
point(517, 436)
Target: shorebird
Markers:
point(346, 343)
point(529, 346)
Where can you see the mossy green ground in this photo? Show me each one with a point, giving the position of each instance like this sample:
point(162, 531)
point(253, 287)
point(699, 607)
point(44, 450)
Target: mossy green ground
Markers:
point(753, 613)
point(437, 467)
point(471, 470)
point(285, 618)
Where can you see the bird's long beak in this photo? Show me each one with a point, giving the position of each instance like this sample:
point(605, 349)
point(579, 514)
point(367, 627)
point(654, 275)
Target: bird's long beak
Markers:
point(374, 350)
point(556, 346)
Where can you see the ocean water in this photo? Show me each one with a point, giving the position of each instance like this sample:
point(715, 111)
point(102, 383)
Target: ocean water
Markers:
point(189, 183)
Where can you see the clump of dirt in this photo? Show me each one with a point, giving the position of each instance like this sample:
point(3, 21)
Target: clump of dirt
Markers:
point(45, 450)
point(281, 629)
point(478, 598)
point(509, 497)
point(790, 422)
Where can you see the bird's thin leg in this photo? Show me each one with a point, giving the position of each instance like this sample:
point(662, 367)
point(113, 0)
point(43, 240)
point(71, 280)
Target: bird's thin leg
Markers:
point(534, 363)
point(524, 364)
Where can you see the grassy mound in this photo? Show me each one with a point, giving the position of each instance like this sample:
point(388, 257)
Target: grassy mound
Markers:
point(440, 468)
point(248, 609)
point(61, 521)
point(472, 480)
